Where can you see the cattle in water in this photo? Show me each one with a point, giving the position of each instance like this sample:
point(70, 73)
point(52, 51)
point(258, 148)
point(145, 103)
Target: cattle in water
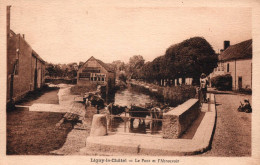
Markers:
point(96, 100)
point(155, 110)
point(156, 113)
point(116, 109)
point(136, 111)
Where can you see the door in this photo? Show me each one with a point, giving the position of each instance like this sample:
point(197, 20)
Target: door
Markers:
point(39, 78)
point(35, 78)
point(239, 82)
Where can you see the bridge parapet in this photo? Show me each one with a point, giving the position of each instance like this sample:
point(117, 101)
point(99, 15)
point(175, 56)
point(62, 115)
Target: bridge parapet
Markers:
point(177, 120)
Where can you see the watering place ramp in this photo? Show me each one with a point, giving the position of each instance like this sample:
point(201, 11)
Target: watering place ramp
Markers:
point(140, 144)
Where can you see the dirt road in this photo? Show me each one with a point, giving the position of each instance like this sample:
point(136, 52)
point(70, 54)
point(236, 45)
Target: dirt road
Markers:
point(233, 129)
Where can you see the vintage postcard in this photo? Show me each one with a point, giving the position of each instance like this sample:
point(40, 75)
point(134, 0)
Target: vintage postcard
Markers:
point(129, 82)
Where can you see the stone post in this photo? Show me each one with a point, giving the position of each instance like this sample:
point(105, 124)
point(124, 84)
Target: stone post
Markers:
point(99, 125)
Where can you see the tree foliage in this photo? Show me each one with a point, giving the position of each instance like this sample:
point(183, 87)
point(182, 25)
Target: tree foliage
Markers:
point(135, 65)
point(189, 58)
point(61, 70)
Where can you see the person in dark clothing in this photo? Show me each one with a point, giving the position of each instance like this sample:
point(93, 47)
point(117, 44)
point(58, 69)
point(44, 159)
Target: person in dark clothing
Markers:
point(203, 86)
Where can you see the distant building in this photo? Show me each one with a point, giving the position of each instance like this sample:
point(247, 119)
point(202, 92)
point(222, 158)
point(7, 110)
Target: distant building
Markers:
point(236, 60)
point(94, 71)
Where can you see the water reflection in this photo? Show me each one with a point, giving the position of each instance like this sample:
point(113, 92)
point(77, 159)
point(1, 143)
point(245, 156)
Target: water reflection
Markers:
point(128, 97)
point(122, 124)
point(118, 124)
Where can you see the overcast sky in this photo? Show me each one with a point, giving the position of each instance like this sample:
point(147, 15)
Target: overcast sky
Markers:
point(65, 31)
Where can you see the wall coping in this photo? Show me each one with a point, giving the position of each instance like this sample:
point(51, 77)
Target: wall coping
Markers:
point(182, 108)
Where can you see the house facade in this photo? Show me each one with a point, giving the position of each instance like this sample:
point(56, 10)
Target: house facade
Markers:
point(94, 71)
point(236, 60)
point(25, 68)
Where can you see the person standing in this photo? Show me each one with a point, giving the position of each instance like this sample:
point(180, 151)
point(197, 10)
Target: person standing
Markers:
point(203, 86)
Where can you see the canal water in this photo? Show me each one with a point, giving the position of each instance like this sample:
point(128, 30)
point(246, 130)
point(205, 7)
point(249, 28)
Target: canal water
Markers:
point(127, 97)
point(122, 124)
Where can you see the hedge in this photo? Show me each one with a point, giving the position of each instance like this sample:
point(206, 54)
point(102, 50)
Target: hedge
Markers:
point(222, 82)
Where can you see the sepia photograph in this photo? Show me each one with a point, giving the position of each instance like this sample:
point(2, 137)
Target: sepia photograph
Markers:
point(128, 82)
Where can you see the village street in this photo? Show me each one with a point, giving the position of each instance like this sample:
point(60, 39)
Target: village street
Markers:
point(233, 129)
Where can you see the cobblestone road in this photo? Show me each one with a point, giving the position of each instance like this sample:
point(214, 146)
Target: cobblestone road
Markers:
point(233, 129)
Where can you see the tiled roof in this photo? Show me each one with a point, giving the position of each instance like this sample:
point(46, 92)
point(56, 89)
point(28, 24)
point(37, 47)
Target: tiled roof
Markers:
point(37, 56)
point(108, 68)
point(242, 50)
point(33, 52)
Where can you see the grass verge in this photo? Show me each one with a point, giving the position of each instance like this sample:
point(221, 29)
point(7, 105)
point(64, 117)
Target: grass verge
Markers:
point(34, 133)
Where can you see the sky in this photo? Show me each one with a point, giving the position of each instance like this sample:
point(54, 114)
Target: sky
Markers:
point(66, 31)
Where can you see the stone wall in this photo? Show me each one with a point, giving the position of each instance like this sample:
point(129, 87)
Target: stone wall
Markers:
point(178, 120)
point(23, 81)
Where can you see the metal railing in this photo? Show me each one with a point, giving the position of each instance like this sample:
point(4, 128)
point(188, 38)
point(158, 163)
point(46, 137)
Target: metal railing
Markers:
point(128, 122)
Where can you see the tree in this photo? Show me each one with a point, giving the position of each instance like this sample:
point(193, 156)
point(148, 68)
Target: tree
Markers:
point(61, 70)
point(50, 71)
point(80, 64)
point(189, 58)
point(118, 65)
point(193, 57)
point(134, 66)
point(72, 71)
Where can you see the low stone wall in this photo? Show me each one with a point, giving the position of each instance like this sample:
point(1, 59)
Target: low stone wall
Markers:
point(177, 120)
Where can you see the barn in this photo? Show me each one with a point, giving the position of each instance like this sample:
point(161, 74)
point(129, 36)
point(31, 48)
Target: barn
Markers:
point(94, 71)
point(25, 68)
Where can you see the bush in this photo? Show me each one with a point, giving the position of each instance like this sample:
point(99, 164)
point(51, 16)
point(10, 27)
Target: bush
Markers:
point(81, 89)
point(222, 82)
point(122, 77)
point(246, 91)
point(178, 94)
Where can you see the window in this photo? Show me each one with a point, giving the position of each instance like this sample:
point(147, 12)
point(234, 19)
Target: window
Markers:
point(228, 67)
point(84, 75)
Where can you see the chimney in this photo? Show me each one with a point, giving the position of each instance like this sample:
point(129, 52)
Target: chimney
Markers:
point(23, 36)
point(8, 15)
point(226, 44)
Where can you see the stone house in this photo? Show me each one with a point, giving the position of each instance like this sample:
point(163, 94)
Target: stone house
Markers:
point(94, 71)
point(236, 60)
point(25, 68)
